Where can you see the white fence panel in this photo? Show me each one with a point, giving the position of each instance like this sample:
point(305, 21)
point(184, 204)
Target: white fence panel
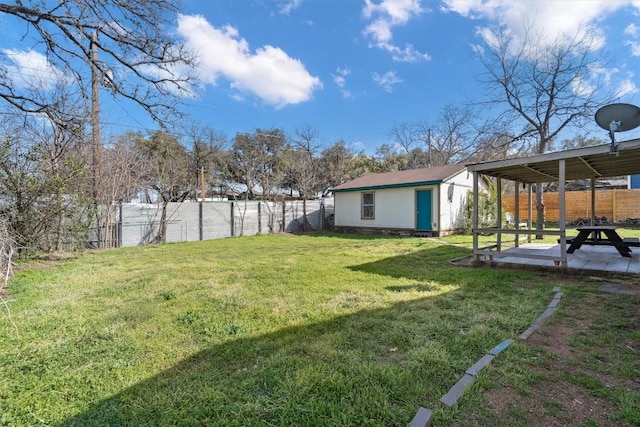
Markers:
point(216, 220)
point(139, 223)
point(246, 216)
point(183, 222)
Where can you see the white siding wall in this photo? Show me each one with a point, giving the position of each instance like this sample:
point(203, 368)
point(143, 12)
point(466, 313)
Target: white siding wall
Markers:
point(394, 208)
point(452, 212)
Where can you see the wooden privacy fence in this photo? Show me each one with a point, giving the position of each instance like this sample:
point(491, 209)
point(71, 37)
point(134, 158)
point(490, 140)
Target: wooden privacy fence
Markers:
point(614, 204)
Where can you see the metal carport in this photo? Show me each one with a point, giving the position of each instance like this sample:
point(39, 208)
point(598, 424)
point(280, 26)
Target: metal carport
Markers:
point(600, 161)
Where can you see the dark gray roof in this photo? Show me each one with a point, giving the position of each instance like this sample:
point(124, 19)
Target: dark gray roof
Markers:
point(581, 163)
point(413, 177)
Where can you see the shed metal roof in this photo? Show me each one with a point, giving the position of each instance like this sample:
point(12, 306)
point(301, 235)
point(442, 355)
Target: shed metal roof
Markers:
point(582, 163)
point(413, 177)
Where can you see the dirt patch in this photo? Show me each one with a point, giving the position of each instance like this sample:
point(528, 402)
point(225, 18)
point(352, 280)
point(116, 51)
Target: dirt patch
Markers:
point(556, 334)
point(583, 360)
point(551, 403)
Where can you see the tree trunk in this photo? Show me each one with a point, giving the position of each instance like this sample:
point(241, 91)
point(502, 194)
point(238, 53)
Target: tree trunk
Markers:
point(304, 214)
point(59, 224)
point(162, 227)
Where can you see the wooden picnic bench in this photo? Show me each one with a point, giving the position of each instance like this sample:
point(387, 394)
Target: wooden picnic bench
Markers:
point(602, 235)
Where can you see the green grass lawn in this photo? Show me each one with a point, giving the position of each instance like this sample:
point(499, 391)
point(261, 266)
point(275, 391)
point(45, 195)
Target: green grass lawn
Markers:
point(265, 330)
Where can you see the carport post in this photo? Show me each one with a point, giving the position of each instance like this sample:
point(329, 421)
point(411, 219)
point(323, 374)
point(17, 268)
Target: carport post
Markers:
point(529, 211)
point(563, 225)
point(499, 225)
point(474, 218)
point(593, 200)
point(516, 200)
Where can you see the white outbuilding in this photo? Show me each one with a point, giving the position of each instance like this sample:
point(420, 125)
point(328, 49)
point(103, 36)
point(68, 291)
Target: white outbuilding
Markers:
point(426, 202)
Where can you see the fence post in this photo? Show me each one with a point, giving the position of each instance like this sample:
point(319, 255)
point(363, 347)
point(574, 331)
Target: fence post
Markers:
point(233, 231)
point(284, 215)
point(200, 221)
point(259, 217)
point(120, 226)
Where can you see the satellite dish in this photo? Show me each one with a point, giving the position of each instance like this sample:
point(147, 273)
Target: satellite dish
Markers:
point(618, 118)
point(628, 115)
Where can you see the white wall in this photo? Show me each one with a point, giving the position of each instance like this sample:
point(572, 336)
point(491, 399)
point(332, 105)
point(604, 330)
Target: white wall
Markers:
point(394, 208)
point(451, 213)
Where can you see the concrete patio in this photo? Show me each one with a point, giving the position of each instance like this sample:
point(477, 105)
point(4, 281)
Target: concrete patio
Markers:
point(589, 258)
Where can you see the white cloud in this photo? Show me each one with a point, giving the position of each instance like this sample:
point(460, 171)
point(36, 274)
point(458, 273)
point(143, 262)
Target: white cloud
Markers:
point(632, 30)
point(549, 18)
point(387, 80)
point(357, 146)
point(268, 73)
point(582, 87)
point(347, 94)
point(340, 77)
point(31, 70)
point(625, 88)
point(340, 80)
point(388, 14)
point(635, 48)
point(288, 6)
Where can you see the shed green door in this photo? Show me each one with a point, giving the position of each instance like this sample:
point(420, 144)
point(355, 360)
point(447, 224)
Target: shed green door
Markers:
point(423, 213)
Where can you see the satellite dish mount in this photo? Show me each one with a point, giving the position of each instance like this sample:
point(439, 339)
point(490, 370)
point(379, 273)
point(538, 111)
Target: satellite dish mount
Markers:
point(618, 118)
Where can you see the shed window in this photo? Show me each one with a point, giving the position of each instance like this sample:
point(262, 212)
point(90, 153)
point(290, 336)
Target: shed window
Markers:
point(368, 206)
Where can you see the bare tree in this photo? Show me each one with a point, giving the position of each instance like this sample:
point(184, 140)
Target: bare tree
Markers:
point(139, 59)
point(303, 168)
point(336, 164)
point(544, 87)
point(168, 174)
point(125, 171)
point(410, 139)
point(38, 170)
point(23, 184)
point(59, 130)
point(580, 141)
point(205, 153)
point(255, 162)
point(453, 138)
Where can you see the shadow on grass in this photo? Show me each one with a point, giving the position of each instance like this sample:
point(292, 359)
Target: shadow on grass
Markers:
point(370, 368)
point(412, 288)
point(353, 236)
point(360, 369)
point(427, 266)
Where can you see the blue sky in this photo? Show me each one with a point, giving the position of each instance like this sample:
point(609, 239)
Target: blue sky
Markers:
point(353, 69)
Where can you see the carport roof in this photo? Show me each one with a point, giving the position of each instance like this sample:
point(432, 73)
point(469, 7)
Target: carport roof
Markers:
point(581, 163)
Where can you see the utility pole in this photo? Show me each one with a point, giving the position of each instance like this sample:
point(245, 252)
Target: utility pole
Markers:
point(95, 129)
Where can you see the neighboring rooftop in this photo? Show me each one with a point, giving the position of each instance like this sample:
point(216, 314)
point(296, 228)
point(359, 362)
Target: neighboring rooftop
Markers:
point(433, 175)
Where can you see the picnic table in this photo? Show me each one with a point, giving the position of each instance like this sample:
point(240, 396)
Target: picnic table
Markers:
point(602, 235)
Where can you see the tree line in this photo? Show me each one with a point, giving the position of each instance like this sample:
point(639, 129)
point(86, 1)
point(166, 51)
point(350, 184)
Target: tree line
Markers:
point(57, 173)
point(48, 191)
